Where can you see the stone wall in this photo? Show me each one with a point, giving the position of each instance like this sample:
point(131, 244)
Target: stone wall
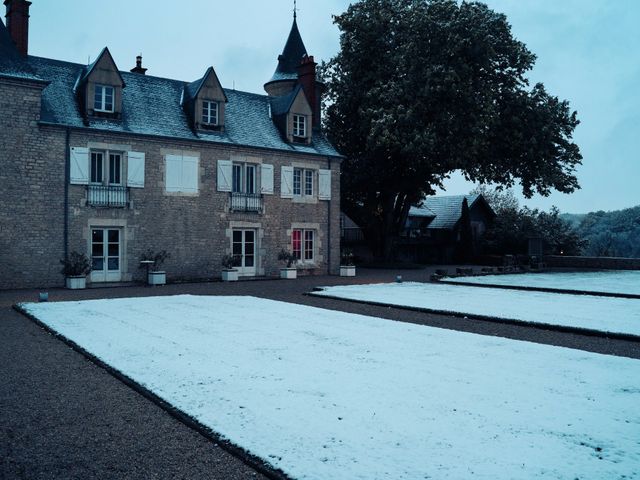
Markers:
point(32, 170)
point(600, 263)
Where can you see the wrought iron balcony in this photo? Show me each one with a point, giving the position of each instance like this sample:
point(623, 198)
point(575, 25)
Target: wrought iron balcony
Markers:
point(107, 196)
point(246, 202)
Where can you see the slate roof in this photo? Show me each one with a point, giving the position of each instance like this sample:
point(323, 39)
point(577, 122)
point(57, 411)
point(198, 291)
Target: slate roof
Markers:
point(291, 56)
point(151, 106)
point(12, 63)
point(446, 208)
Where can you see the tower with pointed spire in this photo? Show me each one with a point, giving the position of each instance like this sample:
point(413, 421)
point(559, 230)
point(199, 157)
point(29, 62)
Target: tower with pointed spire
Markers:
point(285, 78)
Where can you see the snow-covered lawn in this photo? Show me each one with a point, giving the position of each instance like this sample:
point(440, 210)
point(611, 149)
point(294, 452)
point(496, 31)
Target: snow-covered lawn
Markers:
point(606, 314)
point(611, 281)
point(330, 395)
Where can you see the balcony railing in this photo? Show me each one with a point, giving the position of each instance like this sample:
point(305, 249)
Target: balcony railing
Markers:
point(107, 196)
point(246, 202)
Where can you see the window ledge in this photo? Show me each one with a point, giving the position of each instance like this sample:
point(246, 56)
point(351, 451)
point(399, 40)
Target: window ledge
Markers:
point(211, 127)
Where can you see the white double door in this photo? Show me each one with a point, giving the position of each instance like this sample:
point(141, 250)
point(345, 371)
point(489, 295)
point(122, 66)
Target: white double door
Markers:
point(244, 251)
point(106, 254)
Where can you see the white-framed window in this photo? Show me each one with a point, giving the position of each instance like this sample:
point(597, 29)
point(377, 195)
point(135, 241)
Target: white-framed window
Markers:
point(303, 244)
point(182, 174)
point(210, 112)
point(244, 178)
point(105, 168)
point(308, 183)
point(103, 98)
point(303, 182)
point(299, 126)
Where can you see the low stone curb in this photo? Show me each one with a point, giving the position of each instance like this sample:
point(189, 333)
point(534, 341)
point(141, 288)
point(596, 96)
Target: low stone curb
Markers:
point(540, 289)
point(238, 452)
point(508, 321)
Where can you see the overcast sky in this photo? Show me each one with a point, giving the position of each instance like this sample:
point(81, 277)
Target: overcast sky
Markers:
point(588, 53)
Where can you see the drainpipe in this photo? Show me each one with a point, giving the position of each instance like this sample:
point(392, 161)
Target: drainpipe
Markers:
point(67, 175)
point(329, 229)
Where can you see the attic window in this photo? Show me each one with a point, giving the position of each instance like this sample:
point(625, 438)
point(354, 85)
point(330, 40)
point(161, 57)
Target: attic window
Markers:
point(209, 112)
point(103, 99)
point(299, 126)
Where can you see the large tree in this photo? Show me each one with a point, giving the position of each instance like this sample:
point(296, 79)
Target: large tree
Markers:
point(421, 88)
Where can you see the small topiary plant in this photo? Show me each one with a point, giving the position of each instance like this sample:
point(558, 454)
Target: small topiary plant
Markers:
point(76, 265)
point(347, 258)
point(230, 261)
point(286, 256)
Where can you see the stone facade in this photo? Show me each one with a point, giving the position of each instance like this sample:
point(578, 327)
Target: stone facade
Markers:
point(194, 229)
point(45, 213)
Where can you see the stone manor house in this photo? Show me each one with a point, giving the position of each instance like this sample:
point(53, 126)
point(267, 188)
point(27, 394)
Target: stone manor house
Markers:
point(113, 163)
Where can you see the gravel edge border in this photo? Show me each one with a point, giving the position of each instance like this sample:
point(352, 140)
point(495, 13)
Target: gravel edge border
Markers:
point(541, 289)
point(508, 321)
point(234, 450)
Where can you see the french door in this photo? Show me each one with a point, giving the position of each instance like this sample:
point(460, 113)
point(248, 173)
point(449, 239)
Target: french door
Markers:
point(244, 251)
point(106, 254)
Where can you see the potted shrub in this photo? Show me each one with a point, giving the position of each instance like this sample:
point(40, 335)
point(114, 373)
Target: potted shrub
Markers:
point(153, 261)
point(347, 267)
point(229, 273)
point(75, 268)
point(288, 258)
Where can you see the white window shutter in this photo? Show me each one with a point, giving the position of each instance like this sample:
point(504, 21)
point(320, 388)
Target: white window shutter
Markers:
point(266, 179)
point(135, 169)
point(324, 184)
point(224, 175)
point(173, 173)
point(286, 182)
point(79, 166)
point(190, 174)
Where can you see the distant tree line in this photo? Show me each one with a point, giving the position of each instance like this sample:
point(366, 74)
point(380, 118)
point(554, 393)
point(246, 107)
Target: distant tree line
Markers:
point(596, 234)
point(609, 234)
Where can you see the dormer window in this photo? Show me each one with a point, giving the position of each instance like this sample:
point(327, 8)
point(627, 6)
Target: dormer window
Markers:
point(299, 126)
point(103, 98)
point(209, 112)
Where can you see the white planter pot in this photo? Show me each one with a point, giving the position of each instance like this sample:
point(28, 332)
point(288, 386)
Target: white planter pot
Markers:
point(347, 270)
point(76, 283)
point(157, 278)
point(288, 273)
point(230, 275)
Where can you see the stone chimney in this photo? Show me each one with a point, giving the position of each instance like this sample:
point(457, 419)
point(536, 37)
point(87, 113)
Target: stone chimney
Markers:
point(307, 78)
point(138, 68)
point(18, 23)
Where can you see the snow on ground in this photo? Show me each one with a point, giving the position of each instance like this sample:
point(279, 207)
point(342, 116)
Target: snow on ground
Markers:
point(324, 394)
point(606, 314)
point(611, 281)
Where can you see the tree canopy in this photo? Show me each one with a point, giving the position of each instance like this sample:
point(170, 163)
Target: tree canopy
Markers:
point(421, 88)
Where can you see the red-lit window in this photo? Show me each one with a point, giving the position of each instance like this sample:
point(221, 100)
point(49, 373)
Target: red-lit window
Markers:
point(302, 242)
point(296, 240)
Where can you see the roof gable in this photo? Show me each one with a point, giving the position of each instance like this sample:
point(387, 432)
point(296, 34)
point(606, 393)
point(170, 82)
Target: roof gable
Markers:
point(282, 105)
point(104, 61)
point(209, 79)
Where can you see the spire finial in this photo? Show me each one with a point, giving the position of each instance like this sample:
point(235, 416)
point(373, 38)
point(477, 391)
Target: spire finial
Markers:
point(295, 9)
